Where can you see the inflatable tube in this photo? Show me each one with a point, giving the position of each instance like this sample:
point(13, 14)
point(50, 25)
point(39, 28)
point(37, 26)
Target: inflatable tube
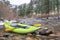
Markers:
point(21, 28)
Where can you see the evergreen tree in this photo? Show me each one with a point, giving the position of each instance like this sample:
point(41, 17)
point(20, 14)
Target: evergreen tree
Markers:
point(30, 8)
point(22, 10)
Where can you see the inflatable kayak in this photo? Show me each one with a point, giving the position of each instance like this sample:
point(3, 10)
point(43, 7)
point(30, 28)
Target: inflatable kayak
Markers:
point(20, 28)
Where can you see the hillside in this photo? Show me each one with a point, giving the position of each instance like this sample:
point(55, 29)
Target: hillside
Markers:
point(6, 12)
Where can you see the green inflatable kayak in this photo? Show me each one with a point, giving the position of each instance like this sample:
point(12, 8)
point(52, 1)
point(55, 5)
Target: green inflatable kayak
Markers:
point(20, 28)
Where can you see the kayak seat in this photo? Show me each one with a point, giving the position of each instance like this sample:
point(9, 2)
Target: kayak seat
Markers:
point(17, 26)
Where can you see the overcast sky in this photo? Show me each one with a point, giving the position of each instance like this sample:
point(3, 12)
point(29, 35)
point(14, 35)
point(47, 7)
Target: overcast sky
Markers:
point(19, 2)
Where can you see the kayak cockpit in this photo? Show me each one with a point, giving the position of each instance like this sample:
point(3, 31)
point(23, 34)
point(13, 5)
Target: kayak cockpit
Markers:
point(19, 26)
